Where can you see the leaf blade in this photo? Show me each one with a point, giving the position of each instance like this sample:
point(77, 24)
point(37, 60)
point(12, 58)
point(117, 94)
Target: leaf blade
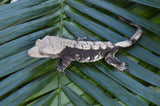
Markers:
point(128, 15)
point(94, 91)
point(75, 98)
point(27, 14)
point(111, 86)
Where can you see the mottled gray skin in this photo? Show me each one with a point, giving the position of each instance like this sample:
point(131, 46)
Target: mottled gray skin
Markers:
point(82, 50)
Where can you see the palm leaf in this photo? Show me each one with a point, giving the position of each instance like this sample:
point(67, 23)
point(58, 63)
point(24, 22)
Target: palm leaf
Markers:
point(29, 81)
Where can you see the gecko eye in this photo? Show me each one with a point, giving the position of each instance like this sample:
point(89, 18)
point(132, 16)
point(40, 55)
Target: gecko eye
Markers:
point(41, 53)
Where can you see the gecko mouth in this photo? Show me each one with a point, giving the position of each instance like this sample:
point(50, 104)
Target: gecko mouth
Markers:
point(34, 52)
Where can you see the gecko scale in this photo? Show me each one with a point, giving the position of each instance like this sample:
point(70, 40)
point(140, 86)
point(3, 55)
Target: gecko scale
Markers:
point(82, 50)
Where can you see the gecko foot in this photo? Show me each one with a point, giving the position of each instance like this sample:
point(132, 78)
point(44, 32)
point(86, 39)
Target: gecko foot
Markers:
point(60, 71)
point(127, 70)
point(126, 64)
point(116, 63)
point(121, 66)
point(83, 39)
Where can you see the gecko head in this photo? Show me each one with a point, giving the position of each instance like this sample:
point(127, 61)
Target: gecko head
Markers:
point(45, 47)
point(35, 52)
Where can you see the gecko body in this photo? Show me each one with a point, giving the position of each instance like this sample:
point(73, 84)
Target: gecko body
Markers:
point(82, 50)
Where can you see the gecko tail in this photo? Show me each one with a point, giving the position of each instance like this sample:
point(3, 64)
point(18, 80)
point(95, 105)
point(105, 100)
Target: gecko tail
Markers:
point(133, 39)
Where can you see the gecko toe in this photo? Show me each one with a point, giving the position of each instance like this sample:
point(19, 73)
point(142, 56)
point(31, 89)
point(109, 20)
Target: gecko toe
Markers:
point(59, 73)
point(59, 70)
point(126, 64)
point(64, 72)
point(127, 70)
point(122, 71)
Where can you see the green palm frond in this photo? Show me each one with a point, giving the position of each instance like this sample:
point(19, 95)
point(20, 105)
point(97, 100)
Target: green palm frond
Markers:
point(33, 82)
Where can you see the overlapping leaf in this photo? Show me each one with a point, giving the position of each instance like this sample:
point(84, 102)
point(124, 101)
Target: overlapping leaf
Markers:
point(154, 3)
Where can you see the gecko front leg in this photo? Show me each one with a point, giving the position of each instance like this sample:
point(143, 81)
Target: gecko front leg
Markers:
point(112, 60)
point(82, 39)
point(63, 66)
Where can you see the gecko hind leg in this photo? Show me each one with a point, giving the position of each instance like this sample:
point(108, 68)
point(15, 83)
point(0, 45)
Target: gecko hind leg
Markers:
point(112, 60)
point(61, 68)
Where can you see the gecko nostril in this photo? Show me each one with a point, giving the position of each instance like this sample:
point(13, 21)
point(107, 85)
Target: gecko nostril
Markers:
point(29, 53)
